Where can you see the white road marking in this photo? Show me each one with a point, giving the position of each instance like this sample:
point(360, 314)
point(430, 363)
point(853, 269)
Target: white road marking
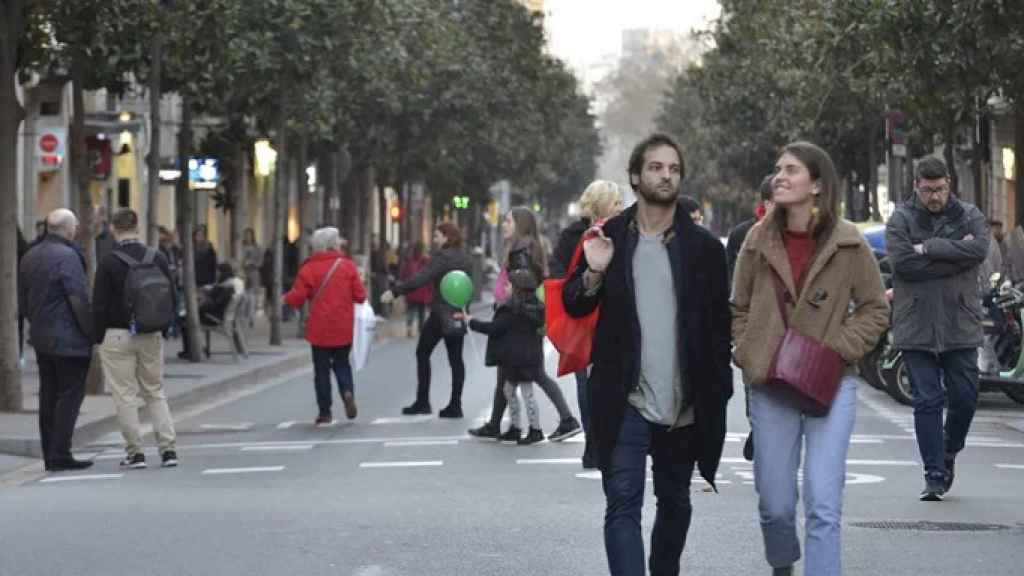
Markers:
point(285, 425)
point(1010, 466)
point(256, 469)
point(53, 479)
point(421, 443)
point(548, 461)
point(281, 447)
point(417, 418)
point(412, 464)
point(239, 427)
point(848, 462)
point(994, 444)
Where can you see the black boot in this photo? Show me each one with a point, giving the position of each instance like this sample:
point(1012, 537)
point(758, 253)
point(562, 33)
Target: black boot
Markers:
point(417, 408)
point(452, 410)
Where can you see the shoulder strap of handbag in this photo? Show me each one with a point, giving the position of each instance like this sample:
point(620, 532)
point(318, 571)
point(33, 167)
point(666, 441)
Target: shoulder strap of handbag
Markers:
point(324, 283)
point(779, 291)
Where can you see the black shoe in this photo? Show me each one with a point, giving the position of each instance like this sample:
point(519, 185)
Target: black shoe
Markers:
point(532, 437)
point(485, 431)
point(451, 411)
point(134, 461)
point(349, 400)
point(67, 464)
point(934, 488)
point(589, 461)
point(416, 408)
point(950, 464)
point(511, 436)
point(183, 355)
point(169, 459)
point(748, 448)
point(566, 429)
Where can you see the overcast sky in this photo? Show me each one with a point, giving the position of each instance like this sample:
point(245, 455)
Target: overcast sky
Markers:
point(582, 31)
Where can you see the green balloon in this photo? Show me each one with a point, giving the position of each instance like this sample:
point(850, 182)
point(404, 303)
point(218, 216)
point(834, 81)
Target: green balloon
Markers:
point(540, 293)
point(457, 288)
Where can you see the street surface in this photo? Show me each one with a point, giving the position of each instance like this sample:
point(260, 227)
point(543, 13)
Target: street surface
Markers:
point(261, 491)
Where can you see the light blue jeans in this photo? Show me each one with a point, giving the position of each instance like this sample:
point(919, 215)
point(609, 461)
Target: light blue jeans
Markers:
point(780, 432)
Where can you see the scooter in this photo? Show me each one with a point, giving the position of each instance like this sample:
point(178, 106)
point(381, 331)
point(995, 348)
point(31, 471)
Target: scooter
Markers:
point(1001, 367)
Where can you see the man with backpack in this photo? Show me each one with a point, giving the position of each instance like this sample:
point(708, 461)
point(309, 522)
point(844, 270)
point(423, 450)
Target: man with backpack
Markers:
point(134, 301)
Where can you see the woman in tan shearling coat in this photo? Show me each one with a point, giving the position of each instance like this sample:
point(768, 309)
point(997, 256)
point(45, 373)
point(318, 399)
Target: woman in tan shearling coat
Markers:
point(833, 294)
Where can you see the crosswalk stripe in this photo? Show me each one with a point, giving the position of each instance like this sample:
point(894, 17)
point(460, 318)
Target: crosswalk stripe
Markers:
point(416, 419)
point(240, 427)
point(1010, 466)
point(281, 447)
point(548, 461)
point(421, 443)
point(53, 479)
point(285, 425)
point(414, 464)
point(255, 469)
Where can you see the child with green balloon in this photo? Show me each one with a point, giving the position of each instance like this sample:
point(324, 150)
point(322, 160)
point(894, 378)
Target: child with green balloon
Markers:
point(515, 345)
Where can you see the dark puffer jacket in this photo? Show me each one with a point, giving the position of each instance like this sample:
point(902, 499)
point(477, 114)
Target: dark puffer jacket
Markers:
point(558, 265)
point(514, 338)
point(54, 297)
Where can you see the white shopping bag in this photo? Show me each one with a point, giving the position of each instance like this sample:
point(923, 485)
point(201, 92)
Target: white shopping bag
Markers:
point(364, 327)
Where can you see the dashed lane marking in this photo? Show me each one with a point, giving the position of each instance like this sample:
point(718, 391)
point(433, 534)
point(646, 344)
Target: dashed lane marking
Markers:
point(239, 427)
point(285, 425)
point(408, 464)
point(548, 461)
point(252, 470)
point(1010, 466)
point(415, 419)
point(421, 443)
point(54, 479)
point(278, 448)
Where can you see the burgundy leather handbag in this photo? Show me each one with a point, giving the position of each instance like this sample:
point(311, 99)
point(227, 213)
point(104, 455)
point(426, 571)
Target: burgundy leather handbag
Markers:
point(804, 370)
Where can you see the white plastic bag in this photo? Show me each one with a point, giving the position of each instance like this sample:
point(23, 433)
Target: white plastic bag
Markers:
point(364, 327)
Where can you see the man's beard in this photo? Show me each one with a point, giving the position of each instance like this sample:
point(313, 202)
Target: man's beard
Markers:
point(658, 196)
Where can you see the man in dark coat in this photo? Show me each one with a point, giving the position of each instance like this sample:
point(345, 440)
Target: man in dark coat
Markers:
point(54, 296)
point(661, 374)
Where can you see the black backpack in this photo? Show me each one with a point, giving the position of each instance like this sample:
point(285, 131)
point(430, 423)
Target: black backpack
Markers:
point(148, 293)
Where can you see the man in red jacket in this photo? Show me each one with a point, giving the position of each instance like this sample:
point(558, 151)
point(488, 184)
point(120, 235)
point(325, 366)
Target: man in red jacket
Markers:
point(330, 282)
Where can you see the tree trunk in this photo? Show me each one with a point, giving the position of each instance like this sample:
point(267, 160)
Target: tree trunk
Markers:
point(1018, 165)
point(954, 177)
point(186, 217)
point(326, 169)
point(302, 194)
point(11, 115)
point(239, 195)
point(383, 218)
point(876, 210)
point(153, 161)
point(279, 228)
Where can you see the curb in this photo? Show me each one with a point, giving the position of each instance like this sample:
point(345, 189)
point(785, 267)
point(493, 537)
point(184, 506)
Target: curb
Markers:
point(86, 434)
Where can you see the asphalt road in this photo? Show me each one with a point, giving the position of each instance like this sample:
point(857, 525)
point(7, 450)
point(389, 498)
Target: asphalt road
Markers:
point(261, 491)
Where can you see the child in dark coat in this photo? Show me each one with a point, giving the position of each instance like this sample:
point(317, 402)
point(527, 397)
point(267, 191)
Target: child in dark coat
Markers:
point(515, 345)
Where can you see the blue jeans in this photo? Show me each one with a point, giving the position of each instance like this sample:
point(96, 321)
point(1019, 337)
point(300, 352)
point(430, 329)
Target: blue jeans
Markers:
point(625, 480)
point(780, 431)
point(326, 360)
point(958, 370)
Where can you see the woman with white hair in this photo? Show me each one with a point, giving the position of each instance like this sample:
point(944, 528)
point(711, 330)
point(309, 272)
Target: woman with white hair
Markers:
point(329, 281)
point(600, 200)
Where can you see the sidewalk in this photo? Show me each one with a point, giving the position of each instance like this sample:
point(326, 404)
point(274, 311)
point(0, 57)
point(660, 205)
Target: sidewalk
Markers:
point(185, 383)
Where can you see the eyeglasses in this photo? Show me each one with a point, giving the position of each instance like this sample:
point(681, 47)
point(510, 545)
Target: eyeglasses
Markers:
point(929, 191)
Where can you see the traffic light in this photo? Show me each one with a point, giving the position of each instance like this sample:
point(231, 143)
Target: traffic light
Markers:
point(460, 202)
point(395, 212)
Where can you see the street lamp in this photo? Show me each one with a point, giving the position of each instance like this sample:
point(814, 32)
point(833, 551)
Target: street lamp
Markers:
point(266, 158)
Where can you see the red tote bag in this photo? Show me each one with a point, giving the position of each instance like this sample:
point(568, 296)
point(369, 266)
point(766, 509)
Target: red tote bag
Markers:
point(572, 337)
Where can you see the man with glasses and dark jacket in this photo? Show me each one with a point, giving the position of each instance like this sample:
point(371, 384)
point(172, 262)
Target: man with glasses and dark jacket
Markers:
point(936, 243)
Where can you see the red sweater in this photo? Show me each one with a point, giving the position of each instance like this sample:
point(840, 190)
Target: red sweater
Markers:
point(800, 249)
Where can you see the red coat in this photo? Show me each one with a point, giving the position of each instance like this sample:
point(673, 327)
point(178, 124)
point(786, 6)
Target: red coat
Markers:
point(330, 319)
point(423, 294)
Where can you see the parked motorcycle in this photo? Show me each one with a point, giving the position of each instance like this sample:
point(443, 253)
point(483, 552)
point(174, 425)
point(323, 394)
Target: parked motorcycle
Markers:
point(1001, 358)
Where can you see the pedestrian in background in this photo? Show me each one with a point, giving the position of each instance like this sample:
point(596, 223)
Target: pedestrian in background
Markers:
point(601, 200)
point(692, 207)
point(329, 281)
point(23, 246)
point(214, 302)
point(936, 243)
point(661, 376)
point(833, 294)
point(53, 294)
point(516, 346)
point(738, 234)
point(441, 324)
point(524, 250)
point(133, 360)
point(205, 258)
point(417, 301)
point(168, 246)
point(252, 261)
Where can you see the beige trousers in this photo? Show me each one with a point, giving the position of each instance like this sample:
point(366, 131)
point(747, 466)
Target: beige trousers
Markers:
point(133, 367)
